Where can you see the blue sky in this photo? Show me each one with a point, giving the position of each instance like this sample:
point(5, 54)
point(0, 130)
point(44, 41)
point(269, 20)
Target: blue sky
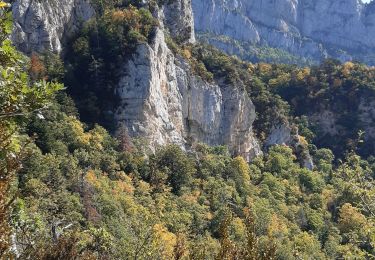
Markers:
point(366, 1)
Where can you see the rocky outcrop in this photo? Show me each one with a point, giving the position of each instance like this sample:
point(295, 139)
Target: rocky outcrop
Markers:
point(312, 29)
point(178, 16)
point(284, 134)
point(280, 135)
point(367, 118)
point(163, 101)
point(44, 25)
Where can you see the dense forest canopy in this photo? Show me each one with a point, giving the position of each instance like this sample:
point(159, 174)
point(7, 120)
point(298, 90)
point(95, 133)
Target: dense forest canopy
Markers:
point(72, 189)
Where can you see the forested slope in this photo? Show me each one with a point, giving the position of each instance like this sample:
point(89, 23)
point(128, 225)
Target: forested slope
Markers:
point(72, 189)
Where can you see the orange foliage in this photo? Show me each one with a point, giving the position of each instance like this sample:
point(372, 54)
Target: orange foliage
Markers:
point(37, 69)
point(130, 16)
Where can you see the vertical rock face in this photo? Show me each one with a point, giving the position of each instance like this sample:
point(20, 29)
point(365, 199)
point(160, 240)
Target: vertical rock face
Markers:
point(306, 28)
point(178, 15)
point(161, 99)
point(164, 102)
point(43, 25)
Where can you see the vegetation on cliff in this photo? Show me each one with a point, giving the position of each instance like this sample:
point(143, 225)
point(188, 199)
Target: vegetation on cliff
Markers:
point(78, 192)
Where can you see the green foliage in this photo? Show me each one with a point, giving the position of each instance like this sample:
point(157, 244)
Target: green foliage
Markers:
point(329, 103)
point(84, 194)
point(122, 204)
point(312, 181)
point(255, 53)
point(20, 98)
point(331, 91)
point(176, 165)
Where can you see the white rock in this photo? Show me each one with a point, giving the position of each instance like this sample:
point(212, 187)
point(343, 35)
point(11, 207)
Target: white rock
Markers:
point(163, 101)
point(44, 25)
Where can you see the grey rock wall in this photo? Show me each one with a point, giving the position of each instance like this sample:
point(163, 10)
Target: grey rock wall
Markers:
point(163, 101)
point(310, 28)
point(41, 25)
point(178, 16)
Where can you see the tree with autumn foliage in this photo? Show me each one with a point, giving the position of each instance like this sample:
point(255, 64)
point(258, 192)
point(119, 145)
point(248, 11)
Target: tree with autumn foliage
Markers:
point(20, 97)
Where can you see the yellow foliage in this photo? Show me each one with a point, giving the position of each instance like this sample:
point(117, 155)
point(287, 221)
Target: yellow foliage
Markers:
point(284, 209)
point(239, 227)
point(281, 80)
point(77, 128)
point(190, 198)
point(328, 196)
point(306, 242)
point(277, 226)
point(129, 205)
point(251, 68)
point(3, 4)
point(122, 186)
point(144, 187)
point(186, 53)
point(306, 71)
point(209, 216)
point(300, 76)
point(303, 74)
point(91, 178)
point(273, 83)
point(265, 68)
point(350, 219)
point(302, 140)
point(347, 68)
point(243, 168)
point(96, 139)
point(164, 240)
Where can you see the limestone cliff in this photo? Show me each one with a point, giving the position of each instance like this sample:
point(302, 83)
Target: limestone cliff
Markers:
point(311, 29)
point(163, 101)
point(178, 16)
point(44, 25)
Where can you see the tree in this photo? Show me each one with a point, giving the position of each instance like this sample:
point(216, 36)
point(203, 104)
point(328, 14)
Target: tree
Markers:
point(176, 164)
point(19, 98)
point(350, 219)
point(238, 170)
